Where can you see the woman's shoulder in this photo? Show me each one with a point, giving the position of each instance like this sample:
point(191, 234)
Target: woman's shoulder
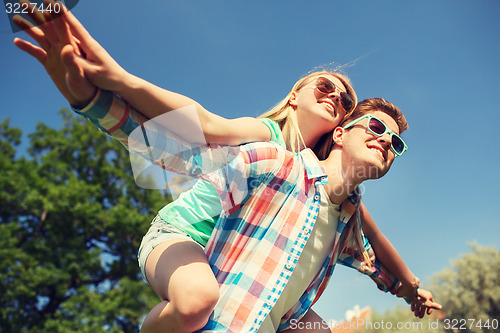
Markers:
point(275, 129)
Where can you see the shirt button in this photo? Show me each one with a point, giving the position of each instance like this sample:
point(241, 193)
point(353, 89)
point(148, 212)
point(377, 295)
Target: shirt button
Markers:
point(316, 197)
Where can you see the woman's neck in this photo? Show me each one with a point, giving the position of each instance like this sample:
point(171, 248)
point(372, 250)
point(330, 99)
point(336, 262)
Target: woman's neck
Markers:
point(310, 134)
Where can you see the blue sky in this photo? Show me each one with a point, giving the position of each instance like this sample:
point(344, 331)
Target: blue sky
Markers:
point(437, 60)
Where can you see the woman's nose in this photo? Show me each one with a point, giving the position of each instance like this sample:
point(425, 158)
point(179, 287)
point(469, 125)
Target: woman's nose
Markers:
point(335, 97)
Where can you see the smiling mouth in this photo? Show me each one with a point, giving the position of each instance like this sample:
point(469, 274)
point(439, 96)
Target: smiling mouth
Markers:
point(379, 150)
point(330, 106)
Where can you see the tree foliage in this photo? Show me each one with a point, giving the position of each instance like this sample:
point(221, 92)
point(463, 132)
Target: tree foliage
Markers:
point(470, 289)
point(71, 221)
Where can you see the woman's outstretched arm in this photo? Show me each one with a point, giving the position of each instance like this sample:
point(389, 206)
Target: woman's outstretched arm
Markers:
point(78, 64)
point(151, 100)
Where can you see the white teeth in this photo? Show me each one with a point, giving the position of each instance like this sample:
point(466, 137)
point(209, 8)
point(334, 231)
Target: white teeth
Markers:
point(329, 106)
point(378, 150)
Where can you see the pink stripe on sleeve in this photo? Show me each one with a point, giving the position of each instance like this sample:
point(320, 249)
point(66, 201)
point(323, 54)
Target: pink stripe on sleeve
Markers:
point(122, 121)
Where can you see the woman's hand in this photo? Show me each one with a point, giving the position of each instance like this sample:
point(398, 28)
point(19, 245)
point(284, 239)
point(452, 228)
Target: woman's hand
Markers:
point(57, 51)
point(101, 69)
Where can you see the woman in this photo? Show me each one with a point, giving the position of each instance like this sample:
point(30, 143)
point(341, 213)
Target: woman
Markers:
point(173, 263)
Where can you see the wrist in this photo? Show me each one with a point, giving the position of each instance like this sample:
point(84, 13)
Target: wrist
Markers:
point(127, 84)
point(413, 283)
point(100, 95)
point(409, 289)
point(82, 103)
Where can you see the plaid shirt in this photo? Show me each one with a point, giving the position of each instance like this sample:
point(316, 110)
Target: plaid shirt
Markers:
point(270, 198)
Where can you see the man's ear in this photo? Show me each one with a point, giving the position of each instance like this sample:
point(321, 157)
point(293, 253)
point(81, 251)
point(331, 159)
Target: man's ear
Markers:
point(338, 136)
point(293, 99)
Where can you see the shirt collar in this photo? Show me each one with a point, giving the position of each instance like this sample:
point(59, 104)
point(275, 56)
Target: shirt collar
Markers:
point(313, 168)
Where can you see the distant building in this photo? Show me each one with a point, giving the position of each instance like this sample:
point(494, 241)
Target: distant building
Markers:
point(354, 322)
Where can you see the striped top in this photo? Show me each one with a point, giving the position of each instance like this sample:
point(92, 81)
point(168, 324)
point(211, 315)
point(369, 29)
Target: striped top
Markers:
point(270, 199)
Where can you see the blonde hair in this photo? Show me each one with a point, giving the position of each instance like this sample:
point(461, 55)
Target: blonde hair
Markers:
point(283, 114)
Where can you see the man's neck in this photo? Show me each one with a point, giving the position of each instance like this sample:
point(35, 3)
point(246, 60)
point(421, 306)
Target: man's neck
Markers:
point(342, 178)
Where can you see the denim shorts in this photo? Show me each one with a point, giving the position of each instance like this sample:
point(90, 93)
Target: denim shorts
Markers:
point(159, 232)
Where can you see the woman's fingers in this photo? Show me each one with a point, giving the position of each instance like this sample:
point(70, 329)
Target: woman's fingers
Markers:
point(77, 82)
point(52, 31)
point(32, 31)
point(33, 12)
point(32, 50)
point(60, 26)
point(79, 31)
point(42, 20)
point(74, 63)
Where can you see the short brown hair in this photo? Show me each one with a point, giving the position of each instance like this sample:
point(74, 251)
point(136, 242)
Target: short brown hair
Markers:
point(378, 104)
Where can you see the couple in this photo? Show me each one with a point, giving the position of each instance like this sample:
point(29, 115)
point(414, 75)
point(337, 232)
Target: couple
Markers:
point(276, 244)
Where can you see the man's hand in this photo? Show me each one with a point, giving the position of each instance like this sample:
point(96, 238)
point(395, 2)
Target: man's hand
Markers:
point(422, 301)
point(424, 304)
point(57, 52)
point(409, 290)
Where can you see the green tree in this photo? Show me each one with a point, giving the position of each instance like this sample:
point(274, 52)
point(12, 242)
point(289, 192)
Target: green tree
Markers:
point(71, 221)
point(470, 290)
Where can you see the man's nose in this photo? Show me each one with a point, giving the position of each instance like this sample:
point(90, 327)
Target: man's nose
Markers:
point(385, 140)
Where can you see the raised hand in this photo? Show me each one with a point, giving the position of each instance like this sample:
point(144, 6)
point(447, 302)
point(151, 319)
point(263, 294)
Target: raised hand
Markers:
point(101, 69)
point(57, 52)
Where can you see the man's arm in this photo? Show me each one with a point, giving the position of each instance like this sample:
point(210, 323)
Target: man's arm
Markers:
point(421, 300)
point(356, 252)
point(386, 252)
